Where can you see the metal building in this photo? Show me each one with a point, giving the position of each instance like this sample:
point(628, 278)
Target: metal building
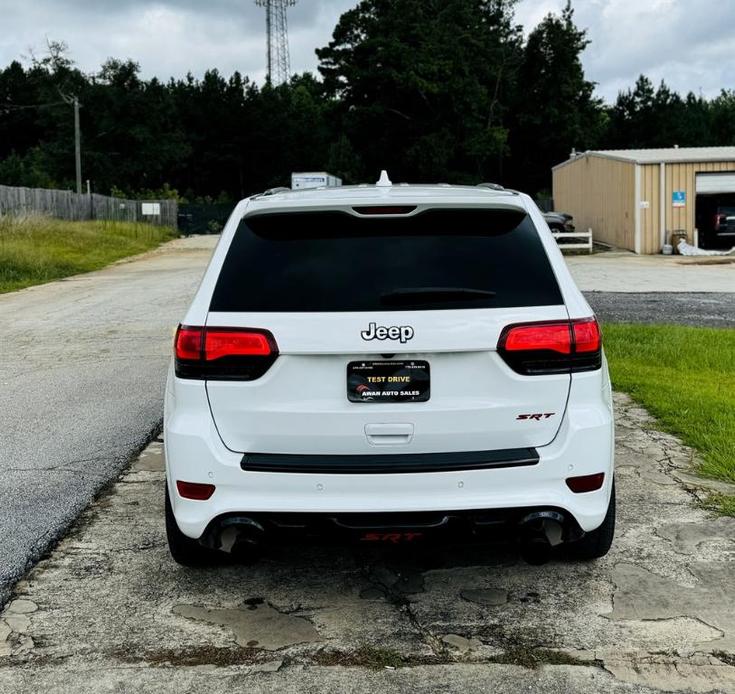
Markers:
point(636, 198)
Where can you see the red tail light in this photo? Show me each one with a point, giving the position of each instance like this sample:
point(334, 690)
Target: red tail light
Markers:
point(552, 347)
point(194, 490)
point(188, 342)
point(223, 353)
point(586, 483)
point(555, 337)
point(231, 343)
point(587, 337)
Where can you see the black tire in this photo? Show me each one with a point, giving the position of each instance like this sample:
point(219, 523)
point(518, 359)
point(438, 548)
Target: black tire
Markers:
point(596, 543)
point(183, 549)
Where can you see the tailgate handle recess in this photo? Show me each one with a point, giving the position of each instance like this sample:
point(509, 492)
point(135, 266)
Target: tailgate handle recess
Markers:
point(389, 434)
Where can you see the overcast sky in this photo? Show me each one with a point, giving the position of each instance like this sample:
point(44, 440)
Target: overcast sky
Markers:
point(686, 42)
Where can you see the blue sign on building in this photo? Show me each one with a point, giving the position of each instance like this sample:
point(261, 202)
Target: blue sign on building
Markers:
point(679, 198)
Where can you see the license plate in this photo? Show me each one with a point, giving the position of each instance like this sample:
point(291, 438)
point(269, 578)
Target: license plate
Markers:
point(388, 381)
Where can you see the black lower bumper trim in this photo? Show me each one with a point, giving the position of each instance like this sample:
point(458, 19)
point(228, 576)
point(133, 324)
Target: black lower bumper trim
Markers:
point(391, 527)
point(390, 463)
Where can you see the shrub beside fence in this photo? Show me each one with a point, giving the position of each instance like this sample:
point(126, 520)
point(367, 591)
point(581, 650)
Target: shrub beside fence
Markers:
point(65, 204)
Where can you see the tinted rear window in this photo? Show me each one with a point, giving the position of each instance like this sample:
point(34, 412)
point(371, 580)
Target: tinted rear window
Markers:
point(334, 261)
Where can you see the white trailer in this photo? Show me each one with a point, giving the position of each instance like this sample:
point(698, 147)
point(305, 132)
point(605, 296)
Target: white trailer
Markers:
point(314, 179)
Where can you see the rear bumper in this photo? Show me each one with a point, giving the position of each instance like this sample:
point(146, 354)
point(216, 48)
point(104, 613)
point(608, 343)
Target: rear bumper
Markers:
point(583, 445)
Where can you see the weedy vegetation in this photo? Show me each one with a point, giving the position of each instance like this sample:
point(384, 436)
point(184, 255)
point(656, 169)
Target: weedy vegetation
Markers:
point(685, 377)
point(36, 249)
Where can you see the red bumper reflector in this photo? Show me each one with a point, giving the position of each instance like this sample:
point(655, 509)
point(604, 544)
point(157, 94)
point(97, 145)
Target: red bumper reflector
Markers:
point(586, 483)
point(194, 490)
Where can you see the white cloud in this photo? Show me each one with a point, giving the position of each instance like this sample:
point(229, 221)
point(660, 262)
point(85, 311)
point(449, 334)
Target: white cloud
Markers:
point(680, 41)
point(167, 37)
point(685, 42)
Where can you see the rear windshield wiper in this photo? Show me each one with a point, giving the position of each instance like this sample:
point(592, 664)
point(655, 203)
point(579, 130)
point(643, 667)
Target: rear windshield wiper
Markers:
point(431, 295)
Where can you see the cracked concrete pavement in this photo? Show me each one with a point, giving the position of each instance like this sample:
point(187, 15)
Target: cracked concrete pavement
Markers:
point(624, 271)
point(81, 388)
point(109, 611)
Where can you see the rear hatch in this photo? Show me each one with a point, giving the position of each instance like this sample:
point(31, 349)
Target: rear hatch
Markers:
point(386, 331)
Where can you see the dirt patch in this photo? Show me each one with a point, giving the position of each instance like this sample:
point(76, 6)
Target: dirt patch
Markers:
point(192, 657)
point(708, 261)
point(372, 657)
point(531, 657)
point(727, 658)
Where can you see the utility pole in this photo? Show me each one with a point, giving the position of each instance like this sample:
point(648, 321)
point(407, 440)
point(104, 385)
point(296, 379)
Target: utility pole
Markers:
point(74, 100)
point(77, 146)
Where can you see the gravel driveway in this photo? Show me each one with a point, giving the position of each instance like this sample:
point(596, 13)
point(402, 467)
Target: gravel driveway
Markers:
point(623, 287)
point(714, 309)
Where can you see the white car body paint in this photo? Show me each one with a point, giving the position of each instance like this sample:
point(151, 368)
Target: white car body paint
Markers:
point(475, 405)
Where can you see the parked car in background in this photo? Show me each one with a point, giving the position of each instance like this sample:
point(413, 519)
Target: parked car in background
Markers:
point(724, 226)
point(559, 221)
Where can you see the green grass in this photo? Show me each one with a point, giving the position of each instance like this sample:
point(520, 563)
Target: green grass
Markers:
point(39, 249)
point(721, 504)
point(371, 657)
point(685, 377)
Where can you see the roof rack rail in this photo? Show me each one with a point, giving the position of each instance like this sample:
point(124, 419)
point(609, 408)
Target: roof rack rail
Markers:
point(277, 189)
point(492, 186)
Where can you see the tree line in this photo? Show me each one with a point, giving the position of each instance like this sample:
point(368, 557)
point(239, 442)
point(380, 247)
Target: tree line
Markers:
point(432, 90)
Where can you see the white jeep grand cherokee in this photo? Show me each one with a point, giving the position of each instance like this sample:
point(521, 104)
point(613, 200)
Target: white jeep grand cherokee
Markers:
point(388, 363)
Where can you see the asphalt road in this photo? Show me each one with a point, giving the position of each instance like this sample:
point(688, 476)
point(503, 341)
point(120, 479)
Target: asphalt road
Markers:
point(81, 389)
point(715, 309)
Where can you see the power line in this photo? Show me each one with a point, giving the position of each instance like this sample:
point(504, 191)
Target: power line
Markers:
point(19, 107)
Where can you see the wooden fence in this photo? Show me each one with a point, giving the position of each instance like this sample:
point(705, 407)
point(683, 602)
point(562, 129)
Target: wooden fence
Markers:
point(584, 245)
point(67, 205)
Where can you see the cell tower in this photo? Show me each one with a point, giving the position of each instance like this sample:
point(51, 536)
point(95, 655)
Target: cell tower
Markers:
point(276, 27)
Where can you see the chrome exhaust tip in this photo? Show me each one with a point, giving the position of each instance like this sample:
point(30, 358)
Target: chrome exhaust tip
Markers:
point(240, 537)
point(540, 533)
